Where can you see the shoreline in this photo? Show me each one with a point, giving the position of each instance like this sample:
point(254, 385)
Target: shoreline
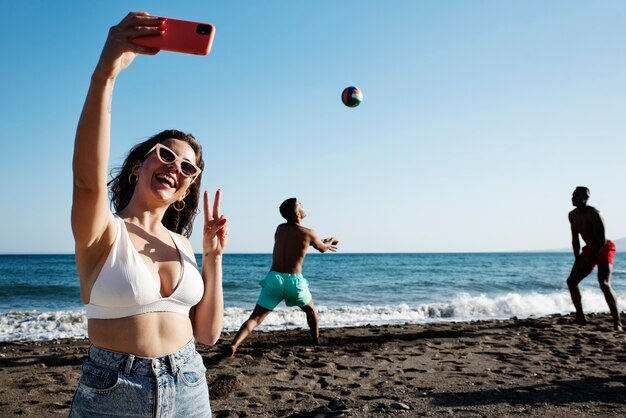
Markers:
point(517, 367)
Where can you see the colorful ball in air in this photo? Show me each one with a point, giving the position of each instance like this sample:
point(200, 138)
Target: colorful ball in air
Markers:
point(351, 96)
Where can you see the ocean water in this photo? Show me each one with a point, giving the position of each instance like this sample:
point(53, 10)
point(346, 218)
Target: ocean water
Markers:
point(39, 294)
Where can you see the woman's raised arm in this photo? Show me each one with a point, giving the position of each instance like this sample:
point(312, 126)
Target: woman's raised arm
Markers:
point(91, 217)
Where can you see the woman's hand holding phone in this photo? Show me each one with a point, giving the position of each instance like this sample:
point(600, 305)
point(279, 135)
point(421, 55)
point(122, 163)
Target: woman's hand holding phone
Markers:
point(180, 36)
point(119, 50)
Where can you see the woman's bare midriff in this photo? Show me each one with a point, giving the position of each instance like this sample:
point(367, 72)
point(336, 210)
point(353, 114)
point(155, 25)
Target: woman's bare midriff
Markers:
point(152, 334)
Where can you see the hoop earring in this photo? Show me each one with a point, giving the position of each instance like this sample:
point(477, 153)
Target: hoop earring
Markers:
point(130, 178)
point(178, 208)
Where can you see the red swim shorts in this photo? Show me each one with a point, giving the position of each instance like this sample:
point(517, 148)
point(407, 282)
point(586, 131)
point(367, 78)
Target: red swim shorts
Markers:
point(606, 254)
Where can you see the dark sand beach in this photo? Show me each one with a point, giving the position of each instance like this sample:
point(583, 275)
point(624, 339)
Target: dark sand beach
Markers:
point(542, 367)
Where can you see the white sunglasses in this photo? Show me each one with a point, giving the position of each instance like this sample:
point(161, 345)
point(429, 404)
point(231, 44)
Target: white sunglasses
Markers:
point(167, 156)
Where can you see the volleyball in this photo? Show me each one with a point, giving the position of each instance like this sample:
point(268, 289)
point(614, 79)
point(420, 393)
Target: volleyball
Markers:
point(351, 96)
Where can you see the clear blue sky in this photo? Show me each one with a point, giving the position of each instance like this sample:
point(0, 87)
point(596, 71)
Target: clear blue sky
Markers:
point(478, 120)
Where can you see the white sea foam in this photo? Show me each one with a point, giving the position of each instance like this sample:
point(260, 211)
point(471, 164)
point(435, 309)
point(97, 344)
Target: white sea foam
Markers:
point(42, 325)
point(463, 307)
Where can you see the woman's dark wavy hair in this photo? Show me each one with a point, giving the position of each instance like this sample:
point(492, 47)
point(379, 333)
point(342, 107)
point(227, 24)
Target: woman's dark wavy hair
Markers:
point(121, 190)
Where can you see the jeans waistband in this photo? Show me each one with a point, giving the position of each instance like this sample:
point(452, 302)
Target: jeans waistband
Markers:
point(131, 364)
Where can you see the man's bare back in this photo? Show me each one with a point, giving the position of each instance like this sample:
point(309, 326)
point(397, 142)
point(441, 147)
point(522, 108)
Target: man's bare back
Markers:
point(291, 242)
point(588, 222)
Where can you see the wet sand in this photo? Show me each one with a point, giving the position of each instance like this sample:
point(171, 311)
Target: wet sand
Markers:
point(544, 367)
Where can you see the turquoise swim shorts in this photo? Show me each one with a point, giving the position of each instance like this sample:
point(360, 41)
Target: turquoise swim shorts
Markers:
point(292, 288)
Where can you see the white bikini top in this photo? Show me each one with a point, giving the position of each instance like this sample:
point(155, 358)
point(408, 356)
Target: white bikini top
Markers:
point(126, 287)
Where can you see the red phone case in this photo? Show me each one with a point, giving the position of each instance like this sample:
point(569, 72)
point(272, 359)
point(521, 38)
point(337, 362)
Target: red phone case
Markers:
point(181, 36)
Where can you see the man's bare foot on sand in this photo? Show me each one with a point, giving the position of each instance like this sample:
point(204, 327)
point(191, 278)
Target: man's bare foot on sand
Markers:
point(618, 326)
point(320, 341)
point(229, 350)
point(580, 320)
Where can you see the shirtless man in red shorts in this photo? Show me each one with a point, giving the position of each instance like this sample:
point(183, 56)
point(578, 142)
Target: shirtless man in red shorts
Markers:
point(587, 222)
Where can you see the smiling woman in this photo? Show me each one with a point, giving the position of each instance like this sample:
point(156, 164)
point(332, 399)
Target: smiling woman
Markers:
point(178, 218)
point(145, 300)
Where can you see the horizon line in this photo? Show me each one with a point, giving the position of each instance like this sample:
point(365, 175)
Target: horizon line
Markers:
point(350, 253)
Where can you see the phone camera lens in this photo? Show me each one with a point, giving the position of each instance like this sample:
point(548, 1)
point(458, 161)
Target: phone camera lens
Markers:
point(203, 29)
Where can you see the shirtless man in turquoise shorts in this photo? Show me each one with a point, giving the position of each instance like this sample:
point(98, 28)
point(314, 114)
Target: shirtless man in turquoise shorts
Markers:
point(285, 281)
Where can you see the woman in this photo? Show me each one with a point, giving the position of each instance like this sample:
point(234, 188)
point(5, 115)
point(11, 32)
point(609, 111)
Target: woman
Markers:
point(146, 301)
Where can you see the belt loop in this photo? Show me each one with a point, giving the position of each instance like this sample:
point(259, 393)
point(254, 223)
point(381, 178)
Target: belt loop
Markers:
point(129, 364)
point(173, 364)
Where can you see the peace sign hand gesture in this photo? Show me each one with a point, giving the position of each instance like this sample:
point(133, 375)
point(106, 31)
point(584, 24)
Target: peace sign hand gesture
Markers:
point(215, 234)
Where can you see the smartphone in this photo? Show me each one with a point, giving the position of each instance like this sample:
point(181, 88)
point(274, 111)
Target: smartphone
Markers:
point(181, 36)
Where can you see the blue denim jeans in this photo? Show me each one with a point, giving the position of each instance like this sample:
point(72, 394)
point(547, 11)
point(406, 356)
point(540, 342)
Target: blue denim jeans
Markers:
point(115, 384)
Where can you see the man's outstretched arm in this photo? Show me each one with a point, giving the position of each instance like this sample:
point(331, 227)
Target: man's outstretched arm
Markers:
point(323, 245)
